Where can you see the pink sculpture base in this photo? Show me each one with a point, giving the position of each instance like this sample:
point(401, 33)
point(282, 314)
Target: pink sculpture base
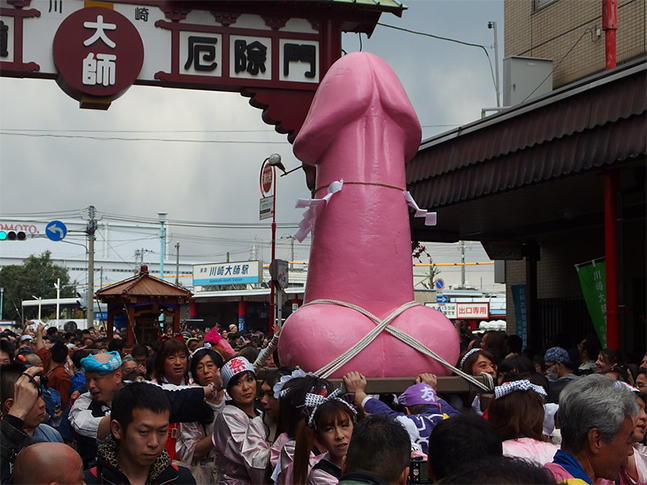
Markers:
point(385, 357)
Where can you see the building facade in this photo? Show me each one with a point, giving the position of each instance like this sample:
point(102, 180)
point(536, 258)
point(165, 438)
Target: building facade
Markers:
point(530, 182)
point(570, 33)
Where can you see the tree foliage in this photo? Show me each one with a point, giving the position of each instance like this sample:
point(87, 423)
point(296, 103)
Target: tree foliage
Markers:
point(417, 250)
point(36, 276)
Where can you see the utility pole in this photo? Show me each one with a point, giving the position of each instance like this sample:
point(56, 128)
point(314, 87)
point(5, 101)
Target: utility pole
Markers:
point(90, 230)
point(291, 238)
point(177, 264)
point(462, 246)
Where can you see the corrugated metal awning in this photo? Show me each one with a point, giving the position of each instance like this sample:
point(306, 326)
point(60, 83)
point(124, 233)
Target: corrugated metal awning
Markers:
point(552, 147)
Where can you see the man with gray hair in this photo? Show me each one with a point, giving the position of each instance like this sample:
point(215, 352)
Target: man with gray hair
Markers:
point(597, 423)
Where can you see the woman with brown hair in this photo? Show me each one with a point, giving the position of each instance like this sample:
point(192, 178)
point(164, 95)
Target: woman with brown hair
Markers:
point(170, 370)
point(328, 425)
point(194, 445)
point(171, 365)
point(517, 413)
point(476, 361)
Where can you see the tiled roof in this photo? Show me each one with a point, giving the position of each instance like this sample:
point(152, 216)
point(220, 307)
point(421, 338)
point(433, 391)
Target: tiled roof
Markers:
point(386, 4)
point(143, 285)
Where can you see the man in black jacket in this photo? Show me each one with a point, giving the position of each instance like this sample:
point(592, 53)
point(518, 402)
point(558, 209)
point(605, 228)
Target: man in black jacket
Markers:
point(379, 453)
point(134, 452)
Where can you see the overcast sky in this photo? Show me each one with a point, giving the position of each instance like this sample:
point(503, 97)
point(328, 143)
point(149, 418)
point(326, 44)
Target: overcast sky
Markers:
point(210, 171)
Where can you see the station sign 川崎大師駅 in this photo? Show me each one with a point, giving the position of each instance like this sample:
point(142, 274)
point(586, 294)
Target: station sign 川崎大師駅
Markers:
point(232, 273)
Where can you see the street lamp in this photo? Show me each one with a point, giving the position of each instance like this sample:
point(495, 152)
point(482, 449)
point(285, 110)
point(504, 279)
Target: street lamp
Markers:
point(492, 25)
point(268, 182)
point(162, 219)
point(39, 305)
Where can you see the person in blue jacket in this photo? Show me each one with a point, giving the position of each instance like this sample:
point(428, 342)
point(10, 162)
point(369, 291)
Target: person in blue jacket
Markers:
point(423, 408)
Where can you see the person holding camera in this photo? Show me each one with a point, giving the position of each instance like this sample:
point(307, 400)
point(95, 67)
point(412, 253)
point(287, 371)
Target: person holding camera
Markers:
point(19, 398)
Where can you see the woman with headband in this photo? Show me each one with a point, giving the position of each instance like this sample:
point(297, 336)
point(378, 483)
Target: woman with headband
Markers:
point(475, 362)
point(517, 413)
point(478, 361)
point(292, 391)
point(328, 423)
point(239, 434)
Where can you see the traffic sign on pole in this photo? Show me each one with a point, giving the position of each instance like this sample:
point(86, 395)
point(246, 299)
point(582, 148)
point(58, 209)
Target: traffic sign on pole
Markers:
point(267, 178)
point(442, 299)
point(56, 230)
point(265, 207)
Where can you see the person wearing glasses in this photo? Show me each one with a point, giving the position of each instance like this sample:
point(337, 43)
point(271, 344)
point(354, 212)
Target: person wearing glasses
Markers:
point(641, 380)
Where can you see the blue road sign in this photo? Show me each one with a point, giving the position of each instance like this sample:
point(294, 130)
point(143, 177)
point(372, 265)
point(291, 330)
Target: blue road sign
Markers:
point(56, 230)
point(439, 284)
point(442, 299)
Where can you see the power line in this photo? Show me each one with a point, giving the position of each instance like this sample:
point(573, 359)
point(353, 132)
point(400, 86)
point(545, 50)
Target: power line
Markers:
point(199, 224)
point(45, 130)
point(35, 216)
point(557, 65)
point(447, 39)
point(166, 140)
point(426, 34)
point(42, 216)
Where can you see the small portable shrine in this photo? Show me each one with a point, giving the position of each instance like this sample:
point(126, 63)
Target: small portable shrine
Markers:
point(141, 304)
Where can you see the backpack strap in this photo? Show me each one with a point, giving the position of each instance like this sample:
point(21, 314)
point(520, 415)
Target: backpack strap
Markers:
point(173, 434)
point(329, 468)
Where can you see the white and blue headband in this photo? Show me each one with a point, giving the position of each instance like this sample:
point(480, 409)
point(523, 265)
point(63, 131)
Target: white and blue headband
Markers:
point(513, 386)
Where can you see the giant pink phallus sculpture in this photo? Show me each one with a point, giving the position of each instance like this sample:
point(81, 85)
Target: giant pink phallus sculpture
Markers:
point(360, 131)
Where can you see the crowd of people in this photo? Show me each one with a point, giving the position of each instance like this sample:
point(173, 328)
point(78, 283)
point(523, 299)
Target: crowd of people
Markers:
point(217, 407)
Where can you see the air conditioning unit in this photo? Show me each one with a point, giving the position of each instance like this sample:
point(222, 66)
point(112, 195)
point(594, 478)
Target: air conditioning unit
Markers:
point(525, 78)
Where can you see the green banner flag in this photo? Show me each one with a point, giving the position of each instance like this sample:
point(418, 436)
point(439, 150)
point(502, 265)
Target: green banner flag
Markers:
point(593, 281)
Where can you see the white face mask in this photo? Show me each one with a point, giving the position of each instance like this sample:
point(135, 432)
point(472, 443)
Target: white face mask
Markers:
point(551, 375)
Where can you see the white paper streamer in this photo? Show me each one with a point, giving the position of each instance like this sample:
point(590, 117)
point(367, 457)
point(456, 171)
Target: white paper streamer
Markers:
point(309, 216)
point(430, 217)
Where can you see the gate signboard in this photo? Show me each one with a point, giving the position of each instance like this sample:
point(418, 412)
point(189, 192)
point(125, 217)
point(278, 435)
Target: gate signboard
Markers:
point(97, 52)
point(274, 52)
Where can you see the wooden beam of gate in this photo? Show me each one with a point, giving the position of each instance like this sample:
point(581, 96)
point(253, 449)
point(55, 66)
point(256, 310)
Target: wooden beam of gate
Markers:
point(397, 385)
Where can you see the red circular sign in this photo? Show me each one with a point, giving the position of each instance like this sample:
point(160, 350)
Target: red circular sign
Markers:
point(97, 52)
point(267, 177)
